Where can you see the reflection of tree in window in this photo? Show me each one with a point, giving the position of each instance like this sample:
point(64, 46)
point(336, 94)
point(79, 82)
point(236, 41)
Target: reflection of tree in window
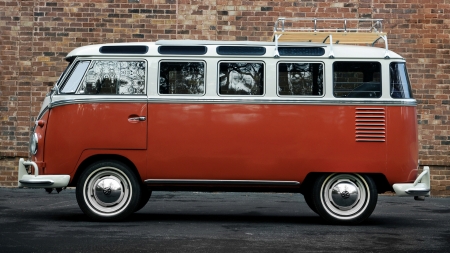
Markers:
point(300, 79)
point(115, 77)
point(182, 78)
point(241, 78)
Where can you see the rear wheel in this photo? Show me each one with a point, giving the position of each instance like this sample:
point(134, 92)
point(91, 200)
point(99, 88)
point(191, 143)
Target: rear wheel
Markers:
point(108, 190)
point(344, 198)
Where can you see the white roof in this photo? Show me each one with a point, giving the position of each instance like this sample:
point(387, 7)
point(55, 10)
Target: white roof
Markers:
point(339, 51)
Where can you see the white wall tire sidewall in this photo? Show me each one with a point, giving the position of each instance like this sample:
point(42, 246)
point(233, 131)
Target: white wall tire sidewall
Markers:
point(97, 208)
point(105, 208)
point(358, 212)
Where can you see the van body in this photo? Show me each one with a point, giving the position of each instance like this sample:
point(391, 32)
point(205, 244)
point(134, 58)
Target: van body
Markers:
point(336, 123)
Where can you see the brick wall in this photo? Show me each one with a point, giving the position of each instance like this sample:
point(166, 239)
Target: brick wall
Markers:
point(440, 180)
point(37, 34)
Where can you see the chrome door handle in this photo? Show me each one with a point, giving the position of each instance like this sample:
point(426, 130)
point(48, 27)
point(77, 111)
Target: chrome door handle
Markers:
point(142, 118)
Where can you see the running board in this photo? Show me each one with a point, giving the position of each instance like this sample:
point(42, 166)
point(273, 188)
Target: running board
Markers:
point(222, 185)
point(220, 182)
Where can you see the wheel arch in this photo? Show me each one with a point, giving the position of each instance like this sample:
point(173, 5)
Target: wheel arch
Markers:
point(100, 157)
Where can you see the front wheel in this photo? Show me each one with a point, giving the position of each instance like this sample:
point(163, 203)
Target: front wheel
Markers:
point(108, 190)
point(344, 198)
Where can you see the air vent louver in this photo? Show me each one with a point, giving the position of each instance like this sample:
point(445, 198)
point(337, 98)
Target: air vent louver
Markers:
point(370, 125)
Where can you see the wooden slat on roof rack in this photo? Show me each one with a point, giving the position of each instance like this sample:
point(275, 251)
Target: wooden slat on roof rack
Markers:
point(332, 31)
point(343, 31)
point(323, 37)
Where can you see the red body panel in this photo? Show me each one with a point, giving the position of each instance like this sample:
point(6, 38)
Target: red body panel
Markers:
point(41, 133)
point(231, 141)
point(402, 154)
point(74, 128)
point(256, 142)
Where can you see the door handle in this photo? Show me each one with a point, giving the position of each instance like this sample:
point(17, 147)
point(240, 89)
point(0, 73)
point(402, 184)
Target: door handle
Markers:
point(141, 118)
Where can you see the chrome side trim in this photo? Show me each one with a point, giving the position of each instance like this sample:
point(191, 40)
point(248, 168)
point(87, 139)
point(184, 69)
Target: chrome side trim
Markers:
point(98, 99)
point(220, 182)
point(319, 101)
point(222, 100)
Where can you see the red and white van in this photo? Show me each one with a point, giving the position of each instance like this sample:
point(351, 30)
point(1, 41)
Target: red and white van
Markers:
point(334, 122)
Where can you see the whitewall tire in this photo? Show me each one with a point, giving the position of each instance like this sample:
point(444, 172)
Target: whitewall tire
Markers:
point(108, 190)
point(344, 198)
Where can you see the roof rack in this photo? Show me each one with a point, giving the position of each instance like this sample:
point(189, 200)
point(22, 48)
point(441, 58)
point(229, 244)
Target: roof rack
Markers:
point(323, 30)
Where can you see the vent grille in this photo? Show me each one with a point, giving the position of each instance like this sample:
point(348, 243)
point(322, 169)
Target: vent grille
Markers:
point(370, 125)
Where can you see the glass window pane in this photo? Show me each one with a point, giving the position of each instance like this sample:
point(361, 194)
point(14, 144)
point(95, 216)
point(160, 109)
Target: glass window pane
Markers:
point(301, 51)
point(123, 49)
point(184, 50)
point(400, 86)
point(114, 78)
point(182, 78)
point(300, 79)
point(75, 77)
point(357, 79)
point(238, 50)
point(241, 78)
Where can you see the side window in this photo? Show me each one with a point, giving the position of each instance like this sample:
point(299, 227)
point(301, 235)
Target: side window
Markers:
point(241, 78)
point(400, 87)
point(75, 77)
point(114, 78)
point(300, 79)
point(357, 79)
point(181, 78)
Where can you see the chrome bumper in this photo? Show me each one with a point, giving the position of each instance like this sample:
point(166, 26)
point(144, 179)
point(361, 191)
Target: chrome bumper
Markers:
point(39, 181)
point(420, 187)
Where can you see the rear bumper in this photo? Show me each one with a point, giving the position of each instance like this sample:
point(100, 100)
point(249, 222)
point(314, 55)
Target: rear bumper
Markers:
point(39, 181)
point(420, 187)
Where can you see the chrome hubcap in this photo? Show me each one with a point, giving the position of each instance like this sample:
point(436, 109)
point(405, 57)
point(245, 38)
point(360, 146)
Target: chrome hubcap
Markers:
point(108, 191)
point(344, 194)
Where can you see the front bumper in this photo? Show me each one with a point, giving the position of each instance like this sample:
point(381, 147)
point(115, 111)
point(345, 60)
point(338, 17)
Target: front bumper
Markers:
point(39, 181)
point(420, 188)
